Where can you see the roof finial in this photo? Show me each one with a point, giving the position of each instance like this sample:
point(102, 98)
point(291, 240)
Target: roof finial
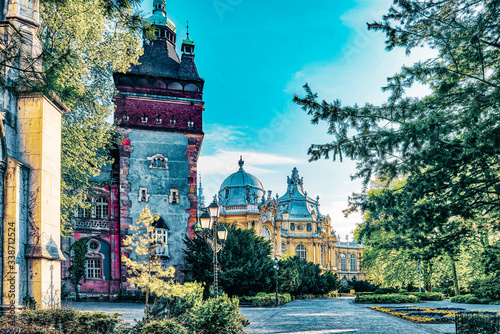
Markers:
point(241, 162)
point(187, 29)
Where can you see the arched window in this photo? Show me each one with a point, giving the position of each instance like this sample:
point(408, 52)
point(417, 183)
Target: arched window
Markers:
point(159, 84)
point(343, 262)
point(124, 81)
point(175, 86)
point(101, 208)
point(94, 260)
point(158, 161)
point(354, 262)
point(142, 83)
point(265, 232)
point(191, 88)
point(283, 248)
point(300, 250)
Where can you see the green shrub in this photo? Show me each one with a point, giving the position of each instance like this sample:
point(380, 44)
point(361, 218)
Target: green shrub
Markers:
point(476, 323)
point(262, 299)
point(215, 316)
point(70, 321)
point(168, 326)
point(364, 293)
point(433, 296)
point(386, 299)
point(179, 301)
point(15, 328)
point(385, 291)
point(487, 288)
point(465, 299)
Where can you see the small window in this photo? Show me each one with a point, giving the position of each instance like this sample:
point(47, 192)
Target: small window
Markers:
point(174, 86)
point(158, 161)
point(283, 248)
point(309, 227)
point(300, 227)
point(191, 88)
point(292, 226)
point(143, 195)
point(174, 196)
point(94, 268)
point(124, 81)
point(300, 250)
point(159, 84)
point(142, 83)
point(94, 246)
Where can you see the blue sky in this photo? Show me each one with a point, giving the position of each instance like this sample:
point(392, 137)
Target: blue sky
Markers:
point(254, 55)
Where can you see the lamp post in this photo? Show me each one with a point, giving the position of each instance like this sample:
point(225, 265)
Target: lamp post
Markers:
point(276, 268)
point(268, 211)
point(213, 232)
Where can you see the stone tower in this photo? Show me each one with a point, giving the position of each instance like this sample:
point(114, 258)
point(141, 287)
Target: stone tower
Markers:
point(159, 110)
point(30, 167)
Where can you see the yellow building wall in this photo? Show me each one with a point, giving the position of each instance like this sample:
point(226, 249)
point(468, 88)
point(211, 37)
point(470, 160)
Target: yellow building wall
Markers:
point(40, 134)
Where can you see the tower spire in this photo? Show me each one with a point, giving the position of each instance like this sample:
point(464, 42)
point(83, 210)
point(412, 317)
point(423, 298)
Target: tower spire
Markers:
point(187, 44)
point(160, 6)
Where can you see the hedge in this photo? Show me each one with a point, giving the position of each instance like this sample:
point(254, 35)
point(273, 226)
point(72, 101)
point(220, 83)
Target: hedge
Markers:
point(60, 321)
point(262, 300)
point(168, 326)
point(466, 299)
point(433, 296)
point(386, 299)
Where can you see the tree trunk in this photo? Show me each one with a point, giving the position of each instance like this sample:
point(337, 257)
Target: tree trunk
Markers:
point(427, 275)
point(147, 303)
point(455, 277)
point(77, 290)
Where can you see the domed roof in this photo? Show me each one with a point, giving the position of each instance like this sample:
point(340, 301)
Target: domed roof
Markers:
point(240, 188)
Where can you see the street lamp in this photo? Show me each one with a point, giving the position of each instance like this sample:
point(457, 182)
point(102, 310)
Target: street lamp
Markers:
point(213, 232)
point(268, 211)
point(276, 268)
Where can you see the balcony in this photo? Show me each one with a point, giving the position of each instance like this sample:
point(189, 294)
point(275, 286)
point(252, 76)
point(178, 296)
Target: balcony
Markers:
point(92, 224)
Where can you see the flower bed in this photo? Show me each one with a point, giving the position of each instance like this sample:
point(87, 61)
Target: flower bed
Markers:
point(427, 314)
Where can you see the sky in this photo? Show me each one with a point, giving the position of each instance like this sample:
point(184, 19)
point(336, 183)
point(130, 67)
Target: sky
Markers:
point(254, 55)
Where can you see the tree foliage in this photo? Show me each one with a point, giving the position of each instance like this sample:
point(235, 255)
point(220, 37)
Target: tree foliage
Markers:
point(445, 145)
point(78, 253)
point(297, 277)
point(144, 268)
point(245, 262)
point(83, 43)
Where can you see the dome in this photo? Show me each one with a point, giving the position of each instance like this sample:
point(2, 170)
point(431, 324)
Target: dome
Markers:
point(240, 188)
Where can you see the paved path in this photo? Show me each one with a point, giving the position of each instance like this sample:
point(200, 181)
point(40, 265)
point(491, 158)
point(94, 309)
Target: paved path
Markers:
point(329, 316)
point(318, 316)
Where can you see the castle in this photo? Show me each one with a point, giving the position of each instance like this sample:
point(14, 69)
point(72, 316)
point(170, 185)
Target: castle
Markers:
point(159, 109)
point(293, 222)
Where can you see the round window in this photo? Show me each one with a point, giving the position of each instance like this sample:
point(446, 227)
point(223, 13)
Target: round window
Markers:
point(94, 245)
point(300, 227)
